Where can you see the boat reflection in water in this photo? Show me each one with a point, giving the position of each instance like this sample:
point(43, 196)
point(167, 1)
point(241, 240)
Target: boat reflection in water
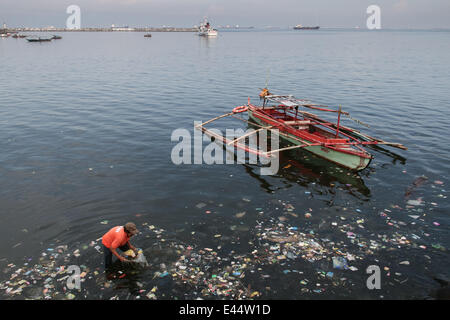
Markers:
point(303, 168)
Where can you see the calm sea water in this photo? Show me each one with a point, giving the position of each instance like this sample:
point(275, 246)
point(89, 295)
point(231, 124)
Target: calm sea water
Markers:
point(86, 122)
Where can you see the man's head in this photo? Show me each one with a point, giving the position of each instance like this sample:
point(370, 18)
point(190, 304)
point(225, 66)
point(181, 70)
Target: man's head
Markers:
point(130, 229)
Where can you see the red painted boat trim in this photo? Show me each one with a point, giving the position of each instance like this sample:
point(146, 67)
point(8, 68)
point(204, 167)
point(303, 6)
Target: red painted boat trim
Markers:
point(260, 113)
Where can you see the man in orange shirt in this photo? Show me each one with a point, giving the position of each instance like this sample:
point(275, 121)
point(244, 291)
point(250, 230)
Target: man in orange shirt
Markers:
point(118, 238)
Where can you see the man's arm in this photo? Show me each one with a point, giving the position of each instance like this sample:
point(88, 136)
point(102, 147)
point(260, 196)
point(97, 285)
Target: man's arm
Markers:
point(113, 250)
point(132, 247)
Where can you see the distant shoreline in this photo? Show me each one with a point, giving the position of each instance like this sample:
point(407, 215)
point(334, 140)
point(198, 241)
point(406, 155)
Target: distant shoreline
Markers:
point(194, 29)
point(162, 29)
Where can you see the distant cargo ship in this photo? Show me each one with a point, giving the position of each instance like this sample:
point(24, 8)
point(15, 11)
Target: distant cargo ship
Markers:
point(300, 27)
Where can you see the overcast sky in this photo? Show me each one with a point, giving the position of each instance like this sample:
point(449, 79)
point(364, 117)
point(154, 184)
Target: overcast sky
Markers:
point(258, 13)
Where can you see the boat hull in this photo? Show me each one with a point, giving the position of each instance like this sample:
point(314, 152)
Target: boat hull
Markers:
point(348, 160)
point(39, 40)
point(208, 34)
point(306, 28)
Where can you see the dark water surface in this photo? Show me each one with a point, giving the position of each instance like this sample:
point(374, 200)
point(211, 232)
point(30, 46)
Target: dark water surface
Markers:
point(86, 124)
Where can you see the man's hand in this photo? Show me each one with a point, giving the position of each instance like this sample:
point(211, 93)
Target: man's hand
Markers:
point(122, 259)
point(135, 250)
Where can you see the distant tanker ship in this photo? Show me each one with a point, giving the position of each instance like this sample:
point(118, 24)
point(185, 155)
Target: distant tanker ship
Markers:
point(300, 27)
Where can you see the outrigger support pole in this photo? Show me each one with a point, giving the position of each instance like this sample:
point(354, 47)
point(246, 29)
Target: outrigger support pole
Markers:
point(214, 119)
point(338, 122)
point(248, 134)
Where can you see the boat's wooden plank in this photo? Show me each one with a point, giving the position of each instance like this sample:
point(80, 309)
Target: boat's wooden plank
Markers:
point(392, 144)
point(293, 147)
point(355, 132)
point(236, 145)
point(297, 122)
point(248, 134)
point(376, 140)
point(214, 119)
point(280, 133)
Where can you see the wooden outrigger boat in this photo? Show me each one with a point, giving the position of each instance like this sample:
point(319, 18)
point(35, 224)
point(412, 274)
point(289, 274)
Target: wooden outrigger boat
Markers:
point(341, 145)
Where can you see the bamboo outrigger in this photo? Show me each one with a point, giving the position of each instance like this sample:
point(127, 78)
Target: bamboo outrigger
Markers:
point(332, 141)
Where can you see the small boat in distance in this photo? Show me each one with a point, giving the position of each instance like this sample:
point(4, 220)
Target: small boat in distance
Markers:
point(55, 37)
point(38, 39)
point(148, 35)
point(205, 30)
point(300, 27)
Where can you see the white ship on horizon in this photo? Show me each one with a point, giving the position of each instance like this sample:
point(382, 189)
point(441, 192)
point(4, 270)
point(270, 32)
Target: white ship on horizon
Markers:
point(205, 29)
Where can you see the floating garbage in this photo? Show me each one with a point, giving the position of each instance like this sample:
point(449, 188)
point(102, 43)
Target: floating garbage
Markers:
point(240, 214)
point(273, 252)
point(418, 202)
point(140, 259)
point(340, 263)
point(200, 205)
point(130, 253)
